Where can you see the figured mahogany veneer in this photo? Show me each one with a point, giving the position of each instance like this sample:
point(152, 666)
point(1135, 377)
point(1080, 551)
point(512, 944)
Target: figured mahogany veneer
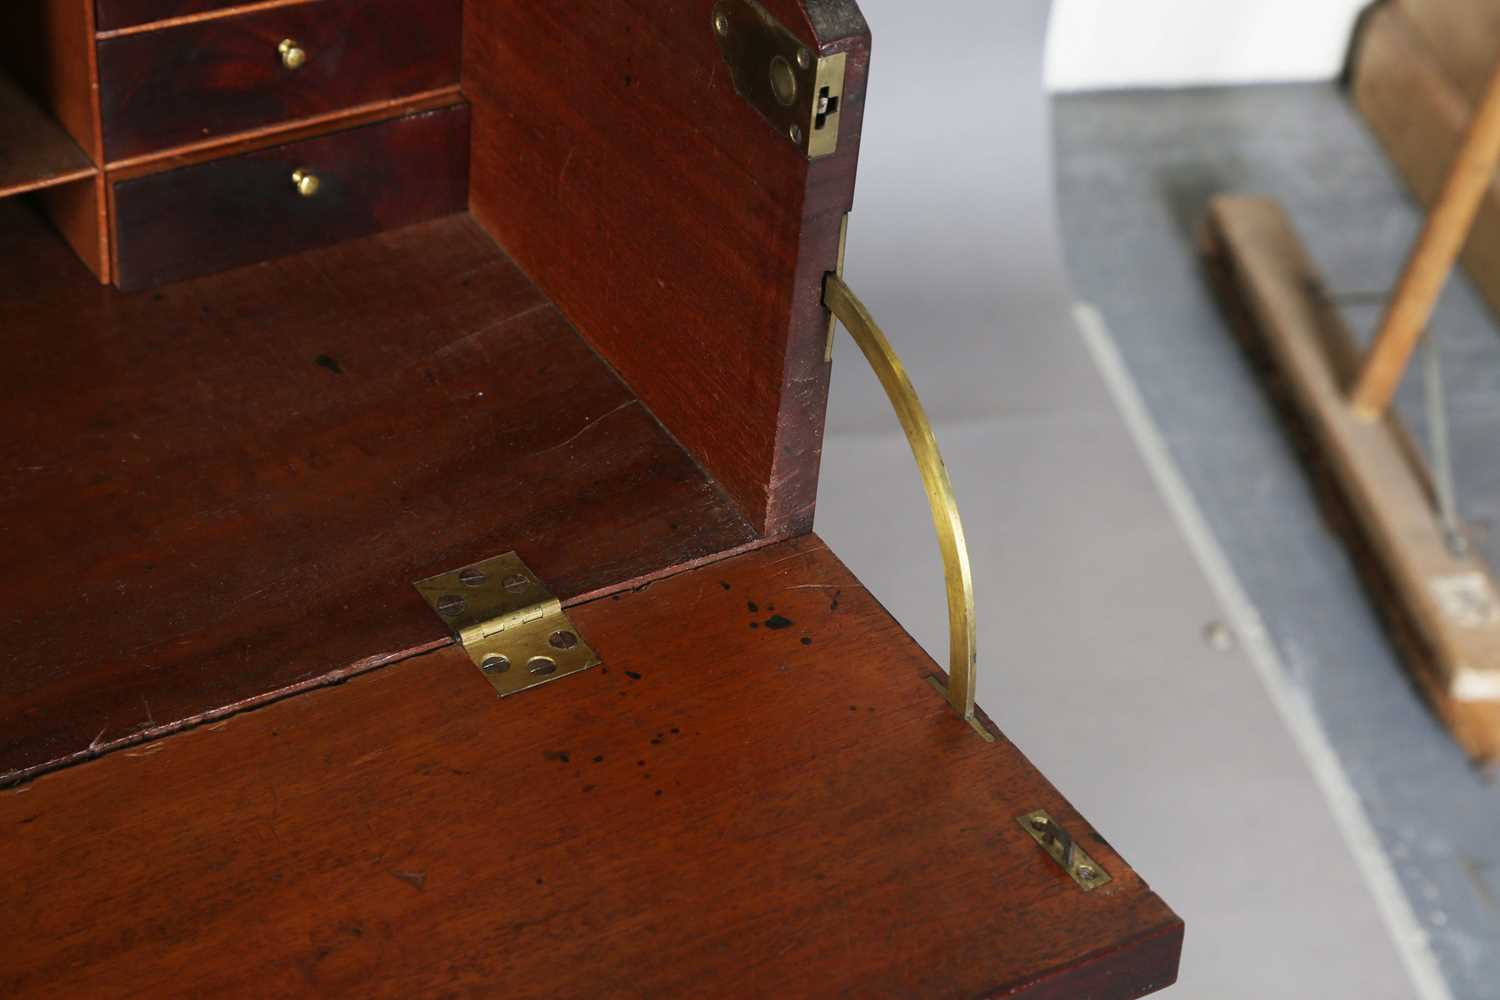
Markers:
point(245, 208)
point(222, 488)
point(683, 235)
point(720, 810)
point(160, 89)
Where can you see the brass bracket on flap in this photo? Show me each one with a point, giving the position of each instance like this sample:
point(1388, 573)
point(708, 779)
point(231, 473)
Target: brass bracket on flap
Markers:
point(509, 623)
point(1063, 849)
point(851, 312)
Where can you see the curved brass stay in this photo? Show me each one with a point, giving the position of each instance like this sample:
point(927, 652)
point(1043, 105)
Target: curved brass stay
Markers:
point(851, 312)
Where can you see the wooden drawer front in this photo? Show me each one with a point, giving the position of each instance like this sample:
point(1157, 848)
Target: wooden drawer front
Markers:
point(243, 209)
point(167, 88)
point(113, 14)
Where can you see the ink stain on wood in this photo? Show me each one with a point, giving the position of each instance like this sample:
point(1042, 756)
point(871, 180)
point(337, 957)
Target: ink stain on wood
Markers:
point(324, 361)
point(778, 622)
point(632, 675)
point(558, 755)
point(414, 879)
point(724, 584)
point(755, 624)
point(752, 607)
point(807, 640)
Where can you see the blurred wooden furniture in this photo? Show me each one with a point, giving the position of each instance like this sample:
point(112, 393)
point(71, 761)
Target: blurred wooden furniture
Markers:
point(523, 303)
point(1419, 71)
point(1440, 595)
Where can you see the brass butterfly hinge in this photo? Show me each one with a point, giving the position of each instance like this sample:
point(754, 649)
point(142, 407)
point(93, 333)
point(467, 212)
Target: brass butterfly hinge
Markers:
point(509, 623)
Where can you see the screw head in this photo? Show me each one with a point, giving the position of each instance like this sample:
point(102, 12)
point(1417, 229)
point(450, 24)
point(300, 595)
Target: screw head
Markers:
point(450, 605)
point(804, 59)
point(516, 582)
point(471, 577)
point(541, 666)
point(795, 134)
point(1086, 872)
point(721, 23)
point(562, 639)
point(495, 664)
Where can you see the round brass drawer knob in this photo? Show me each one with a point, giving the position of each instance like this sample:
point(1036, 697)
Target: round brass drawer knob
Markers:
point(306, 182)
point(293, 55)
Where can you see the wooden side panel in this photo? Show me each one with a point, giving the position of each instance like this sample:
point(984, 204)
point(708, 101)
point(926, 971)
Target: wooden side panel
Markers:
point(49, 46)
point(1463, 36)
point(80, 212)
point(243, 209)
point(216, 78)
point(223, 488)
point(1420, 117)
point(678, 230)
point(722, 809)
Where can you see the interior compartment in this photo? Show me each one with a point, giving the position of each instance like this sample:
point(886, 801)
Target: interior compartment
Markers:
point(220, 490)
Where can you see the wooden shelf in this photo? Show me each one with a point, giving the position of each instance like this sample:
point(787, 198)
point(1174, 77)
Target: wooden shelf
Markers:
point(35, 151)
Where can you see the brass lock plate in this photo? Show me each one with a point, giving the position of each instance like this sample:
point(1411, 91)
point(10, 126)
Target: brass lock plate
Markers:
point(509, 623)
point(1064, 850)
point(800, 94)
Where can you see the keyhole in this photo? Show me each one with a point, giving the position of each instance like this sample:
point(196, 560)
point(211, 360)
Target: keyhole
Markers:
point(826, 106)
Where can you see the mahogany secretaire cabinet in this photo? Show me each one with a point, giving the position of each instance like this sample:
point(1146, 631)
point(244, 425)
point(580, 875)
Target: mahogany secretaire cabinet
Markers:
point(410, 419)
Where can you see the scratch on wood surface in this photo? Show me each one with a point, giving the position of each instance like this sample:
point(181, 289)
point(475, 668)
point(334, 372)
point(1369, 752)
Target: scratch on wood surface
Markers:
point(149, 750)
point(584, 430)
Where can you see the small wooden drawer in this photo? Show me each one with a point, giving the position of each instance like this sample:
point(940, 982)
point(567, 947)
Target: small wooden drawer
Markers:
point(218, 77)
point(242, 209)
point(111, 15)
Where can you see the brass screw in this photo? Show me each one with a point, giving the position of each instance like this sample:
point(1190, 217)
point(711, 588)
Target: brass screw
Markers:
point(1086, 872)
point(515, 583)
point(450, 605)
point(795, 132)
point(563, 639)
point(293, 55)
point(306, 182)
point(721, 23)
point(495, 664)
point(471, 577)
point(804, 59)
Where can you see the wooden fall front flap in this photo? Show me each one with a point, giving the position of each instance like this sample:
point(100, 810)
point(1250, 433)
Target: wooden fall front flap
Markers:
point(758, 794)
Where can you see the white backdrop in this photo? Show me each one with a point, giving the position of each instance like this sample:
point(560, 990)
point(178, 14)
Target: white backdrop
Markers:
point(1109, 44)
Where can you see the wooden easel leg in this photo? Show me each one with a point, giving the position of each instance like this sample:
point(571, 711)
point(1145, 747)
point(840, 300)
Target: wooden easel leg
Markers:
point(1432, 260)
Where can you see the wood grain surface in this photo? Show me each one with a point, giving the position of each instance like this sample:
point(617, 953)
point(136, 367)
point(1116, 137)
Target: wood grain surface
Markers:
point(684, 236)
point(245, 208)
point(225, 487)
point(35, 151)
point(161, 89)
point(48, 46)
point(758, 794)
